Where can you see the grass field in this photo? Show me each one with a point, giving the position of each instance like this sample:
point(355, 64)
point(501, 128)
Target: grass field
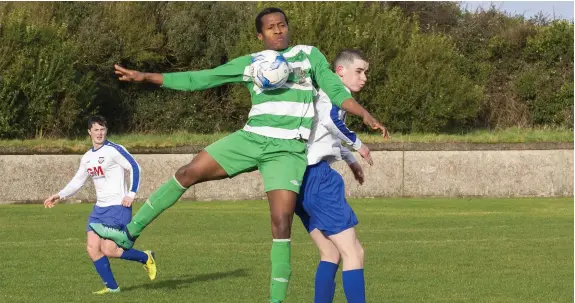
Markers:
point(417, 250)
point(510, 135)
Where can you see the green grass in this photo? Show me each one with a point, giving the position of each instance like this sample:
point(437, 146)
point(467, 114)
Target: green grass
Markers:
point(417, 250)
point(511, 135)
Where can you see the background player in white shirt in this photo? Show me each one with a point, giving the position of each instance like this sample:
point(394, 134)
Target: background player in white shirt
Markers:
point(106, 163)
point(321, 204)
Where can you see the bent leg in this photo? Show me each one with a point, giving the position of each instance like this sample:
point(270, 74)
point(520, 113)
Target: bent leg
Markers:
point(110, 249)
point(217, 161)
point(202, 168)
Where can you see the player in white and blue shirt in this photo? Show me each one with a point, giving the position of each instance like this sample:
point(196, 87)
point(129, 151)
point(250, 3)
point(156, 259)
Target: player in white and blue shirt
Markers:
point(106, 163)
point(321, 204)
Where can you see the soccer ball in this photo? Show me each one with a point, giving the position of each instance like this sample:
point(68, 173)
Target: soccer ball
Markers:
point(269, 69)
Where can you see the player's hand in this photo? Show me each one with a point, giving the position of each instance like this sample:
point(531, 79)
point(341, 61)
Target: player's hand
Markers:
point(51, 201)
point(363, 151)
point(128, 75)
point(357, 172)
point(127, 201)
point(370, 121)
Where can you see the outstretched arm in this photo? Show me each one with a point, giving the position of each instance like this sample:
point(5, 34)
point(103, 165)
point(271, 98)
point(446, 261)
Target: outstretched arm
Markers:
point(70, 189)
point(236, 70)
point(130, 75)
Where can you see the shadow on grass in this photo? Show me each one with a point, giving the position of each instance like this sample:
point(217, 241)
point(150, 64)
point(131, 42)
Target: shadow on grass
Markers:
point(183, 281)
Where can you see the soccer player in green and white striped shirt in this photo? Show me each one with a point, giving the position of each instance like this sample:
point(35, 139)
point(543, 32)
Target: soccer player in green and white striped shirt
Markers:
point(272, 141)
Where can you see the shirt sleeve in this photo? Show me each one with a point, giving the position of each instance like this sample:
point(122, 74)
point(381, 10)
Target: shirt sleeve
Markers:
point(76, 183)
point(327, 80)
point(329, 117)
point(127, 161)
point(347, 155)
point(237, 70)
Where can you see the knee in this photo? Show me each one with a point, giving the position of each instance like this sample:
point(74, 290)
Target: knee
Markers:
point(330, 255)
point(109, 251)
point(354, 254)
point(186, 175)
point(93, 249)
point(281, 226)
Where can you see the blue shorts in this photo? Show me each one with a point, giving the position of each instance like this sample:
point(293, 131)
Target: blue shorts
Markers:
point(116, 215)
point(321, 202)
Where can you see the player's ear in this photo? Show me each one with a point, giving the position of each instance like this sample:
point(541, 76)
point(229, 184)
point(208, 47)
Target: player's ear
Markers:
point(339, 70)
point(260, 36)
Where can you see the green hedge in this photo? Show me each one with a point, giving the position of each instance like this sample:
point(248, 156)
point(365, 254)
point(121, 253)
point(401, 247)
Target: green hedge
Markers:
point(433, 67)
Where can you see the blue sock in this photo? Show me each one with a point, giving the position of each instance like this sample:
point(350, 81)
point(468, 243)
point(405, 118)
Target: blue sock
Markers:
point(103, 268)
point(354, 285)
point(134, 255)
point(325, 282)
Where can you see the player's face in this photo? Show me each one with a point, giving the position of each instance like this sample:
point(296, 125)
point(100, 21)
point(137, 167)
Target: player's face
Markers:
point(275, 33)
point(353, 75)
point(98, 133)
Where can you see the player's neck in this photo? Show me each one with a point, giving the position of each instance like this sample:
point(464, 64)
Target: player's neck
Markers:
point(279, 50)
point(96, 146)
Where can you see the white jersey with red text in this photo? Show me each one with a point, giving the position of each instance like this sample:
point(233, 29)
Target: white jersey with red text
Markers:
point(106, 166)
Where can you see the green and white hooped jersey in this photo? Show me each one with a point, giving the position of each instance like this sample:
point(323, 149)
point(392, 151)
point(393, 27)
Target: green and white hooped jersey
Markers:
point(284, 113)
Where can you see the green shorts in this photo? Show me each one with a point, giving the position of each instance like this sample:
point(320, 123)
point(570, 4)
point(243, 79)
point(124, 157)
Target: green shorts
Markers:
point(281, 162)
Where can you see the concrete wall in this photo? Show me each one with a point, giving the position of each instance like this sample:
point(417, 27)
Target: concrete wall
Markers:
point(494, 173)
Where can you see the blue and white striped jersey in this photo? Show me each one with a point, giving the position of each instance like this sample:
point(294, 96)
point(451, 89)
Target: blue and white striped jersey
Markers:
point(328, 131)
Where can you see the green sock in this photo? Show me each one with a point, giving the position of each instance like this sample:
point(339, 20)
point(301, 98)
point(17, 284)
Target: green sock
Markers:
point(166, 196)
point(281, 270)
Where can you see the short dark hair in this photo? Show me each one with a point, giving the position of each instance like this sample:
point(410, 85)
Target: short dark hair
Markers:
point(97, 119)
point(267, 11)
point(346, 56)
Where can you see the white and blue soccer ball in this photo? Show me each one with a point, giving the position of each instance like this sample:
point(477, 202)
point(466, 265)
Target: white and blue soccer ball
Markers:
point(269, 69)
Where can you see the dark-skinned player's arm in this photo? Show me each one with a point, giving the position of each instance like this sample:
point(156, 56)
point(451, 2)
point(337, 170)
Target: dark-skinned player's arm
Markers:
point(330, 83)
point(236, 70)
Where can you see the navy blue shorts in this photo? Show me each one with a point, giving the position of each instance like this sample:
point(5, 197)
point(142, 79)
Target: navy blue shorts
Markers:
point(116, 215)
point(321, 202)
